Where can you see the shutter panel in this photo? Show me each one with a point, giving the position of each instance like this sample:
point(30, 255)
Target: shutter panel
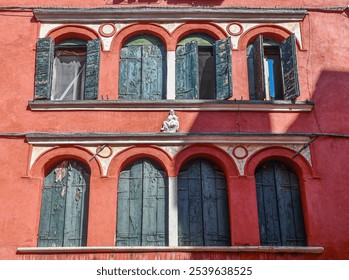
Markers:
point(130, 80)
point(268, 215)
point(77, 196)
point(203, 214)
point(142, 210)
point(289, 68)
point(187, 71)
point(223, 69)
point(92, 69)
point(53, 205)
point(290, 207)
point(154, 214)
point(64, 207)
point(190, 223)
point(258, 61)
point(153, 72)
point(43, 68)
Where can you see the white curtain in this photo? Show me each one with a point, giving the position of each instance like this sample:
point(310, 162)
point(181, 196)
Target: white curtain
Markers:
point(68, 79)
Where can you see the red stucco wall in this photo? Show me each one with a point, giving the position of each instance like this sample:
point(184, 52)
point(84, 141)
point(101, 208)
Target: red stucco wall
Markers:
point(324, 79)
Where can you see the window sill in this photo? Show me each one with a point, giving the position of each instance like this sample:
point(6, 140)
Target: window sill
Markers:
point(166, 105)
point(112, 249)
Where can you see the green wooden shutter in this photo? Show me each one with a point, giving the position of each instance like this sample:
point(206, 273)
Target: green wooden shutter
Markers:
point(280, 213)
point(142, 206)
point(129, 225)
point(130, 77)
point(190, 218)
point(153, 72)
point(64, 206)
point(92, 69)
point(203, 214)
point(223, 69)
point(43, 68)
point(75, 227)
point(187, 71)
point(289, 68)
point(258, 62)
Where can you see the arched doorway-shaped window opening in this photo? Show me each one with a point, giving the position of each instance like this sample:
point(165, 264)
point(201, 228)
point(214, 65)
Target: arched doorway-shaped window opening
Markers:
point(280, 213)
point(142, 205)
point(64, 206)
point(142, 69)
point(203, 211)
point(203, 68)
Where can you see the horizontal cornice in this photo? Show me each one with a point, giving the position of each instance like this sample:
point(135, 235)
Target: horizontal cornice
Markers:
point(230, 249)
point(166, 105)
point(168, 14)
point(160, 138)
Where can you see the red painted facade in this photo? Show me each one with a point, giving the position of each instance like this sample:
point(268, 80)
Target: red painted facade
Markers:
point(206, 130)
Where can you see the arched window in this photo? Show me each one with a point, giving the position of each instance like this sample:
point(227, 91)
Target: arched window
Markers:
point(272, 69)
point(280, 211)
point(64, 206)
point(203, 212)
point(203, 68)
point(142, 69)
point(68, 70)
point(142, 205)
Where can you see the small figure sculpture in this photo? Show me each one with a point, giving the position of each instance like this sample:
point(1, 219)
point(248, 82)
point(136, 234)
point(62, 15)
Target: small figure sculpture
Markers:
point(171, 124)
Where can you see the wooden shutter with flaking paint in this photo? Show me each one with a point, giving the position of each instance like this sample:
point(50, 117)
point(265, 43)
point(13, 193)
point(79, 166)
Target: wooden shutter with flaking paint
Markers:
point(203, 214)
point(223, 69)
point(64, 207)
point(92, 69)
point(280, 213)
point(142, 206)
point(288, 54)
point(258, 62)
point(187, 71)
point(43, 68)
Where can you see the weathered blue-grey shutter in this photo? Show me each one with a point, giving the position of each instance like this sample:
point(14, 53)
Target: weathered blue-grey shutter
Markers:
point(290, 207)
point(76, 213)
point(258, 62)
point(288, 53)
point(223, 69)
point(129, 224)
point(187, 71)
point(43, 68)
point(268, 216)
point(203, 214)
point(142, 206)
point(92, 69)
point(153, 72)
point(281, 221)
point(130, 77)
point(154, 227)
point(190, 220)
point(64, 207)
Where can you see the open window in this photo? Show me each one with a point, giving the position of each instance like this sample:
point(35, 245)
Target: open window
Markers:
point(142, 69)
point(272, 69)
point(68, 70)
point(203, 68)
